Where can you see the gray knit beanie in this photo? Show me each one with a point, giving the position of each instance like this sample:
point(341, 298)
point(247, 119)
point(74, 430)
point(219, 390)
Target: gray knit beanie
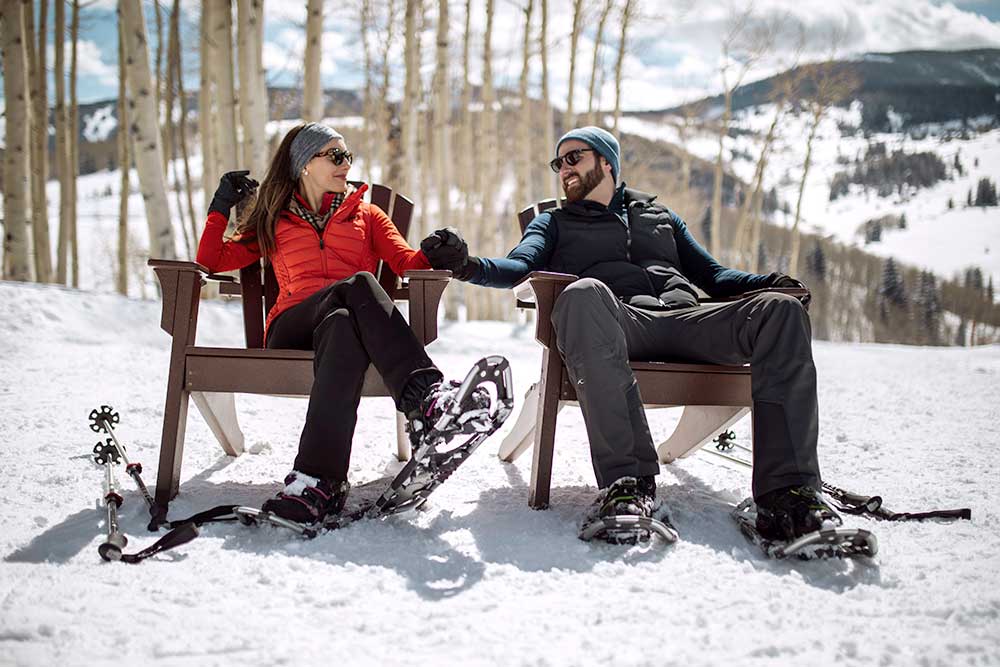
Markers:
point(600, 140)
point(311, 138)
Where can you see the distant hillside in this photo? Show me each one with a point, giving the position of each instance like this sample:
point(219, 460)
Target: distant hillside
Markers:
point(919, 86)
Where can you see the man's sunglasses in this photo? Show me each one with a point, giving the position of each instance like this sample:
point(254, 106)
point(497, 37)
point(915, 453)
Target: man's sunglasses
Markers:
point(337, 156)
point(572, 158)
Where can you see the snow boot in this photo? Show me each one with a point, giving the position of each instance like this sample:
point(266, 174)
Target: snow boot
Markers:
point(789, 513)
point(306, 499)
point(439, 396)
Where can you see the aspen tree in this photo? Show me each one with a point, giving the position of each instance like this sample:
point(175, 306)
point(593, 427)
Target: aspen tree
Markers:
point(16, 222)
point(121, 278)
point(226, 118)
point(596, 62)
point(39, 154)
point(145, 133)
point(312, 90)
point(442, 118)
point(574, 37)
point(61, 143)
point(74, 144)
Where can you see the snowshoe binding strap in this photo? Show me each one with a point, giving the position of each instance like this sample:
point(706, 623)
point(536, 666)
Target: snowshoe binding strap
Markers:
point(854, 503)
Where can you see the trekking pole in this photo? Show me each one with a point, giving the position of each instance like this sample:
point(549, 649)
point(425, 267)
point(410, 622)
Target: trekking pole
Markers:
point(111, 549)
point(104, 419)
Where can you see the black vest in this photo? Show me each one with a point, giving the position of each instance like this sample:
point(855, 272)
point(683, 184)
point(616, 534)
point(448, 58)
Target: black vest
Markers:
point(638, 260)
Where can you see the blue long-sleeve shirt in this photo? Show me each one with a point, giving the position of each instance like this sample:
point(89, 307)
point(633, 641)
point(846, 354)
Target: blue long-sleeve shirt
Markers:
point(541, 240)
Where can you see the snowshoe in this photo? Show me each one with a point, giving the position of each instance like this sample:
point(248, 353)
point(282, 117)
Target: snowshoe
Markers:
point(627, 512)
point(828, 541)
point(306, 499)
point(450, 410)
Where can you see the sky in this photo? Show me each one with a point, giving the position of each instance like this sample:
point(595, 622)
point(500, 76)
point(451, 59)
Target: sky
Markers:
point(673, 56)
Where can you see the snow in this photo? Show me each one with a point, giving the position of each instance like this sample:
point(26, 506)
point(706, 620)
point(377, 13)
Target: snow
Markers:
point(99, 125)
point(479, 578)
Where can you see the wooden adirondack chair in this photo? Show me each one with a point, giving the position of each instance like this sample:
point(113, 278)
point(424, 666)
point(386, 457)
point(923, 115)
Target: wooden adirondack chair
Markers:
point(212, 375)
point(714, 397)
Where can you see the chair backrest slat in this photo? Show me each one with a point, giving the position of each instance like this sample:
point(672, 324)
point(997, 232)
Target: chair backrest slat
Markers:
point(260, 292)
point(528, 214)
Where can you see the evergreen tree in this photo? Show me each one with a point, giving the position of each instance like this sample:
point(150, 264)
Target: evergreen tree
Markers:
point(892, 289)
point(986, 193)
point(961, 334)
point(816, 263)
point(951, 203)
point(902, 221)
point(968, 198)
point(928, 307)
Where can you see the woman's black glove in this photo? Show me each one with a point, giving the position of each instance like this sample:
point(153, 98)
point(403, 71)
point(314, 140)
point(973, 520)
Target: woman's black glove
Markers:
point(782, 280)
point(234, 186)
point(446, 249)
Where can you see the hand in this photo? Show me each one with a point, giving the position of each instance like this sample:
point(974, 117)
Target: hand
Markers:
point(234, 186)
point(782, 280)
point(445, 249)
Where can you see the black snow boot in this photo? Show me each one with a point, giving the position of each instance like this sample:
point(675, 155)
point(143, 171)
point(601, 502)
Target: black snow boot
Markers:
point(627, 496)
point(789, 513)
point(306, 499)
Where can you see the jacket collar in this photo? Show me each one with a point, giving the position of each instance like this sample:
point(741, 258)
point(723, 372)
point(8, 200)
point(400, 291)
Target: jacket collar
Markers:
point(346, 207)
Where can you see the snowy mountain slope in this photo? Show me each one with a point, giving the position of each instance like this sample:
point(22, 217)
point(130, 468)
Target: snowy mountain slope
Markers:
point(942, 240)
point(479, 578)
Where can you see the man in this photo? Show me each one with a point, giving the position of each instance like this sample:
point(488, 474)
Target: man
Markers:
point(636, 299)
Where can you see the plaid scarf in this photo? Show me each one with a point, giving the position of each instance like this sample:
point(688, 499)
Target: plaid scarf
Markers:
point(315, 219)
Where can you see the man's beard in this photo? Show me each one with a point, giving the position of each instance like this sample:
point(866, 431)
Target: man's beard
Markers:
point(588, 181)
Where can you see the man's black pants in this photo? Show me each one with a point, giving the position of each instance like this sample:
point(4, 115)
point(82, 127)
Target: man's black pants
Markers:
point(597, 335)
point(349, 324)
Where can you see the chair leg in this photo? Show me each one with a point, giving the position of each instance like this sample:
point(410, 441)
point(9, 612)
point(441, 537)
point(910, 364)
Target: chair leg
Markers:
point(219, 412)
point(168, 472)
point(698, 425)
point(403, 452)
point(545, 431)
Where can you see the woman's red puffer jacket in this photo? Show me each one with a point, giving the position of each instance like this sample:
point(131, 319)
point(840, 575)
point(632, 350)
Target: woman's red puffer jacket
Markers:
point(355, 238)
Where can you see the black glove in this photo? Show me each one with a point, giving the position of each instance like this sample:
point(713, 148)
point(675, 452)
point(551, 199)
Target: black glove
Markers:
point(234, 186)
point(782, 280)
point(446, 249)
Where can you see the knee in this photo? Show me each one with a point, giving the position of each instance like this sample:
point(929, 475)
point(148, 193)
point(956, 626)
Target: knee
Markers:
point(782, 304)
point(367, 280)
point(582, 301)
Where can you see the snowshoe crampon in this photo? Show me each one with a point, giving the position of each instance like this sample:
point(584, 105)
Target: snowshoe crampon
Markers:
point(627, 529)
point(825, 543)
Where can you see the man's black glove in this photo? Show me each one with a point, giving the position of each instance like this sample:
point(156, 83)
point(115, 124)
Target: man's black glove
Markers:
point(782, 280)
point(446, 249)
point(234, 186)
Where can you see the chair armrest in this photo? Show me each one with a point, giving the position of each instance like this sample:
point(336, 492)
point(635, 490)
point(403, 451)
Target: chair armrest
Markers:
point(542, 288)
point(425, 289)
point(180, 291)
point(797, 292)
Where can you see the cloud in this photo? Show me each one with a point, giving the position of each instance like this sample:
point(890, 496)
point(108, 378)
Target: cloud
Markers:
point(88, 61)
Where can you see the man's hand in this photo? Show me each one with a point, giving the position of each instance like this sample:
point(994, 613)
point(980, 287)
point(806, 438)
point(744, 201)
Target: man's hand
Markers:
point(234, 186)
point(782, 280)
point(446, 249)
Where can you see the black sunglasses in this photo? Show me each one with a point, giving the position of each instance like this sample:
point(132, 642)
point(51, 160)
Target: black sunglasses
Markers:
point(572, 158)
point(337, 156)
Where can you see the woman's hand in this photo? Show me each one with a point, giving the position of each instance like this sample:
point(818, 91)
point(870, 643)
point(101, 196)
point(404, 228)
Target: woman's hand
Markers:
point(234, 186)
point(446, 249)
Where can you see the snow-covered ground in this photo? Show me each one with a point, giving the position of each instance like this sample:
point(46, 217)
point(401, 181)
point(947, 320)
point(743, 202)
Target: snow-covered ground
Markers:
point(946, 241)
point(479, 578)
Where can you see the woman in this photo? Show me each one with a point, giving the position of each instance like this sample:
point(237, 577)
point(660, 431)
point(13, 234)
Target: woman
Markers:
point(324, 242)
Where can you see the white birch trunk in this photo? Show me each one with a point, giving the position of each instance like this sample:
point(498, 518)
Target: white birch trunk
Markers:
point(16, 221)
point(74, 145)
point(144, 132)
point(253, 107)
point(522, 146)
point(61, 143)
point(411, 97)
point(225, 87)
point(548, 127)
point(367, 103)
point(121, 282)
point(596, 62)
point(793, 259)
point(442, 120)
point(627, 12)
point(37, 71)
point(206, 110)
point(569, 122)
point(312, 104)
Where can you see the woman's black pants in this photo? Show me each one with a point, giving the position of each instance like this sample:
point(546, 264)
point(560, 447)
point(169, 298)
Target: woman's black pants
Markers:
point(349, 324)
